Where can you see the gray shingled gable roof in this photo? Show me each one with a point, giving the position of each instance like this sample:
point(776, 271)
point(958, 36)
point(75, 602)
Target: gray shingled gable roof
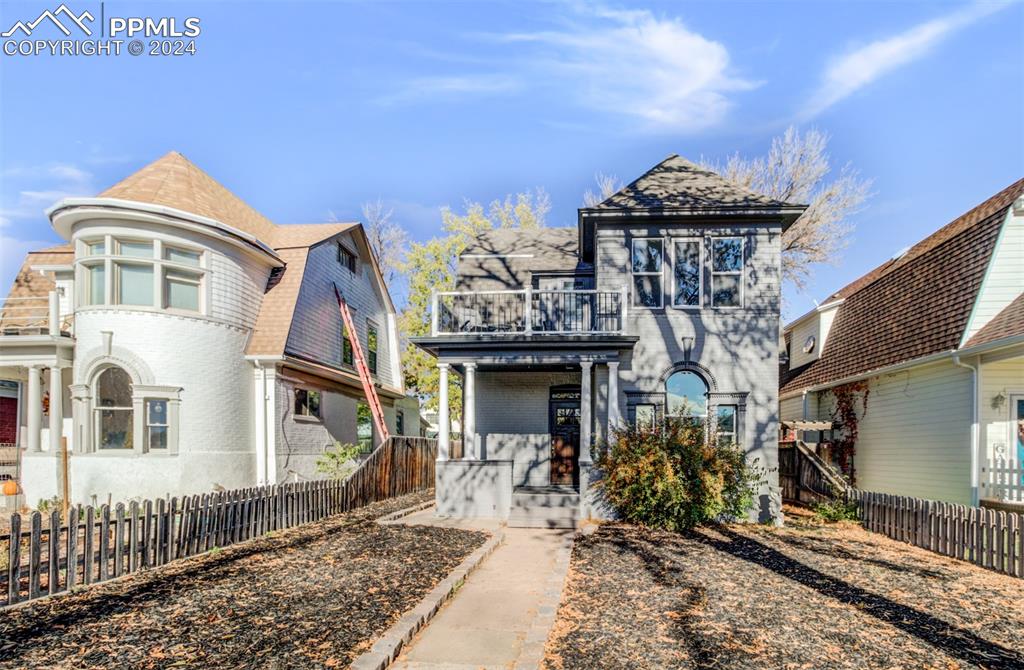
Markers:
point(552, 248)
point(506, 257)
point(676, 183)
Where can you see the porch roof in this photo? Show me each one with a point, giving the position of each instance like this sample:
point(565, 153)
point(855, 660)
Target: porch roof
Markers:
point(480, 344)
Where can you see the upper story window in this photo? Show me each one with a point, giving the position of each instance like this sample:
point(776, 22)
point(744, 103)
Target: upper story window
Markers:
point(346, 346)
point(371, 346)
point(346, 257)
point(145, 273)
point(647, 255)
point(686, 273)
point(727, 272)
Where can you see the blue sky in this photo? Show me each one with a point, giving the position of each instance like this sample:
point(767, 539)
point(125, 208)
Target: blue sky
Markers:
point(308, 109)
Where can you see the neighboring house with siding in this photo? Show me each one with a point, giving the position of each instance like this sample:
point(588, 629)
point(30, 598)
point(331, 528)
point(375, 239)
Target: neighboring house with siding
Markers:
point(935, 337)
point(662, 302)
point(181, 341)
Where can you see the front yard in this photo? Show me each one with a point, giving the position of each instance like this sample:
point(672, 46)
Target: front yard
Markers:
point(311, 597)
point(804, 596)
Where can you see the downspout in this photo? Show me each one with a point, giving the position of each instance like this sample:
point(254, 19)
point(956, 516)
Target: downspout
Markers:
point(975, 428)
point(803, 410)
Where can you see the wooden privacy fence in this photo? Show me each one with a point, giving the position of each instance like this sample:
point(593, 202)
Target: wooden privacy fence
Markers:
point(804, 476)
point(44, 556)
point(992, 539)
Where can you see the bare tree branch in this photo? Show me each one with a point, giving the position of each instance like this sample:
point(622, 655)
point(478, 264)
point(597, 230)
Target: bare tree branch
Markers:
point(388, 239)
point(796, 170)
point(607, 185)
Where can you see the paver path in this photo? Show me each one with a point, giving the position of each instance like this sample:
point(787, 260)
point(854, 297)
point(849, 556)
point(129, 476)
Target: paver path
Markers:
point(501, 616)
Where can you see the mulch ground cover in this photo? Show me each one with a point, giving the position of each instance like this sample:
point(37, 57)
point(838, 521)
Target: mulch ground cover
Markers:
point(805, 596)
point(309, 597)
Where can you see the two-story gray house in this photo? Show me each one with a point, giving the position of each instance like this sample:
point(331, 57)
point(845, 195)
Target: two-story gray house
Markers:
point(662, 302)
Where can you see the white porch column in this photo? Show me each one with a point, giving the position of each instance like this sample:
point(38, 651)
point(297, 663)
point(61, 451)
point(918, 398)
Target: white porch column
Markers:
point(614, 415)
point(586, 423)
point(56, 409)
point(442, 412)
point(470, 450)
point(34, 408)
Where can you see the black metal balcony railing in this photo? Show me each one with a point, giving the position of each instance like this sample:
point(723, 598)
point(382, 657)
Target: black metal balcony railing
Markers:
point(528, 312)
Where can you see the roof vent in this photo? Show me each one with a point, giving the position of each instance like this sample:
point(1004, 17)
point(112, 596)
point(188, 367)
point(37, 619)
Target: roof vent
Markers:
point(900, 254)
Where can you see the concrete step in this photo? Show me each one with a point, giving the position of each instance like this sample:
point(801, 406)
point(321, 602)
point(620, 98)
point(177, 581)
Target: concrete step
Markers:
point(544, 507)
point(519, 520)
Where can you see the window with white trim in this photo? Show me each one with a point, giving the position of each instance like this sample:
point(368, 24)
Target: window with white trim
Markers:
point(725, 425)
point(113, 416)
point(686, 273)
point(646, 261)
point(141, 273)
point(727, 272)
point(307, 403)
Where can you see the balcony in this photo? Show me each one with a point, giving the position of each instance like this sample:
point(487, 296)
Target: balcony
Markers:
point(528, 312)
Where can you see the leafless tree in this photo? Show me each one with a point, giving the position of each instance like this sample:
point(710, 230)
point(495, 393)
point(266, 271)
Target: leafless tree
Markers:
point(606, 186)
point(796, 170)
point(388, 239)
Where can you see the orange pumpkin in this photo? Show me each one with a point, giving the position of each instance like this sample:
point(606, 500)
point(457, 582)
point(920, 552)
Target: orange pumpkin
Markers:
point(10, 488)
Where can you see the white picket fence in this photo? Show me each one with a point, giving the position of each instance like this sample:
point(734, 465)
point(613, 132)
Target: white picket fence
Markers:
point(987, 537)
point(1002, 480)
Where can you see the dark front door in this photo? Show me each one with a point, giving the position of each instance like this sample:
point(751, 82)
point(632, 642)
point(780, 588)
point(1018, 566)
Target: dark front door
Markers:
point(565, 437)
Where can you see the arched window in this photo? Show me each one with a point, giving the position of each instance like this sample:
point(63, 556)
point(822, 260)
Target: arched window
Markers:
point(686, 396)
point(113, 414)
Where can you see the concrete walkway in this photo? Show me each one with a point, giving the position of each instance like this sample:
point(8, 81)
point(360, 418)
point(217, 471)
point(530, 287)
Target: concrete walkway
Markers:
point(502, 615)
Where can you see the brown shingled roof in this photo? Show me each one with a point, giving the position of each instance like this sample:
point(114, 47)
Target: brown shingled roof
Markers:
point(1006, 323)
point(295, 235)
point(173, 181)
point(275, 318)
point(26, 303)
point(913, 306)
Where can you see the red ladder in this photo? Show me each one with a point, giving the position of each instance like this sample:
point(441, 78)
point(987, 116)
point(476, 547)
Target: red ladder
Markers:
point(364, 372)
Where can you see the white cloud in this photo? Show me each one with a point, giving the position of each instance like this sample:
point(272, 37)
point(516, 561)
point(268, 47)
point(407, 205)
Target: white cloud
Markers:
point(627, 63)
point(863, 65)
point(633, 63)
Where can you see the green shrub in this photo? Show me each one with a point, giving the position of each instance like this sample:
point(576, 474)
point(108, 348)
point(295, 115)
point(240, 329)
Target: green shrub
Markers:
point(836, 509)
point(675, 477)
point(339, 461)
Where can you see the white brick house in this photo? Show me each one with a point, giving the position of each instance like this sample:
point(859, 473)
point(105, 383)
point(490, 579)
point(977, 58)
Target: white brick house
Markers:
point(663, 301)
point(181, 341)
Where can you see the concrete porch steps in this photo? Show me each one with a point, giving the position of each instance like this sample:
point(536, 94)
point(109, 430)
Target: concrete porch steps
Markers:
point(544, 507)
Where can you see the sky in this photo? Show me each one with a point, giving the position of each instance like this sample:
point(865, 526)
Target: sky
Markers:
point(309, 110)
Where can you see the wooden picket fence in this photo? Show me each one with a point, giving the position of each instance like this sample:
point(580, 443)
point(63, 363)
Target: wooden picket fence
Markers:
point(100, 544)
point(989, 538)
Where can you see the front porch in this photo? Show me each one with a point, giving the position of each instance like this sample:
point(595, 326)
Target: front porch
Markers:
point(530, 415)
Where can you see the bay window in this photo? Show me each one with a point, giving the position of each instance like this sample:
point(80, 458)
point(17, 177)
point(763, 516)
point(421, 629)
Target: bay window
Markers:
point(646, 260)
point(141, 273)
point(727, 272)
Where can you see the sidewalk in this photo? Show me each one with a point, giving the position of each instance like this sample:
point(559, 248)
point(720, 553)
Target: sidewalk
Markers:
point(501, 616)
